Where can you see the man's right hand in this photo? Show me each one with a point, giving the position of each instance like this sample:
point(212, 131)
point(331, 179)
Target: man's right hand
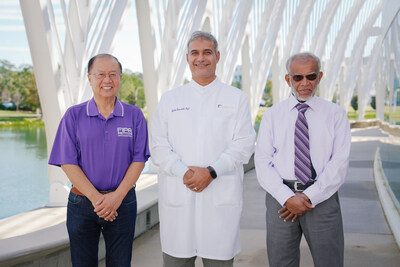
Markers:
point(188, 175)
point(298, 205)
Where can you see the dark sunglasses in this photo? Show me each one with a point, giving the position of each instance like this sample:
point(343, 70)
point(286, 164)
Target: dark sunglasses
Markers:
point(310, 77)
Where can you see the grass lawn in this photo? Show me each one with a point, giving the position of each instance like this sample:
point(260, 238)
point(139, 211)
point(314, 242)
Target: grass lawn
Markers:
point(21, 118)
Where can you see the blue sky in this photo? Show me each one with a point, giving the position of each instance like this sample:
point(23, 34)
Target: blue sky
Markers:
point(14, 43)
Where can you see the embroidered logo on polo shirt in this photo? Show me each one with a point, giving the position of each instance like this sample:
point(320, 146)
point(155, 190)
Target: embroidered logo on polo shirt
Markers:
point(124, 132)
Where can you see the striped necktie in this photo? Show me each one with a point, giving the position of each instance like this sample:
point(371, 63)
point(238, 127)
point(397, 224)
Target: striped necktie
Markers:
point(302, 161)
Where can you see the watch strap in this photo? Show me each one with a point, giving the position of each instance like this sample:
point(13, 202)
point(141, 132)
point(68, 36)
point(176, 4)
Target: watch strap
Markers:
point(212, 172)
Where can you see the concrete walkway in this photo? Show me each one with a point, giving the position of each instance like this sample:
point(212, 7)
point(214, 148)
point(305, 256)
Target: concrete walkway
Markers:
point(368, 239)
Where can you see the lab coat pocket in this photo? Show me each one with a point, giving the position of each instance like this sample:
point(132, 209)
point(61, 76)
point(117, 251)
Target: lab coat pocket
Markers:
point(174, 191)
point(227, 190)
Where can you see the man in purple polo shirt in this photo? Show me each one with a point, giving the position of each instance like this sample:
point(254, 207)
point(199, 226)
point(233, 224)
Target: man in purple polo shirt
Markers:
point(102, 146)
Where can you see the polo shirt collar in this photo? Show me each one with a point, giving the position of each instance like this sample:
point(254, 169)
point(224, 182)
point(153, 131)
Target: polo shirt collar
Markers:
point(92, 111)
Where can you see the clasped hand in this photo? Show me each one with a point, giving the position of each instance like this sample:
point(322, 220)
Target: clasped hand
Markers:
point(197, 178)
point(107, 205)
point(295, 206)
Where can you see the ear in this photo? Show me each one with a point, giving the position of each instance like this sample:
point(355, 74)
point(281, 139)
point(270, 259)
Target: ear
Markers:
point(89, 79)
point(187, 58)
point(218, 56)
point(287, 78)
point(320, 75)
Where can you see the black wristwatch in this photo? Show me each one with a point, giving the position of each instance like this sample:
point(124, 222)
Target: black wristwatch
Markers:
point(212, 172)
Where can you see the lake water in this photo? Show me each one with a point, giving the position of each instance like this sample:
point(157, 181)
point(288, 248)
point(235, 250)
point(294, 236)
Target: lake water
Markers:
point(23, 170)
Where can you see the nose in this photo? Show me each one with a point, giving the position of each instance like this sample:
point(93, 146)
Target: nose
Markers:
point(304, 81)
point(200, 57)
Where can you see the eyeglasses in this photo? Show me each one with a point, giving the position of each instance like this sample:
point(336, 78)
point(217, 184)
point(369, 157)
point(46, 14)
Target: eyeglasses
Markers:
point(102, 76)
point(310, 77)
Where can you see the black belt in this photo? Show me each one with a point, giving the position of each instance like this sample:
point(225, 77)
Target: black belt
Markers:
point(297, 186)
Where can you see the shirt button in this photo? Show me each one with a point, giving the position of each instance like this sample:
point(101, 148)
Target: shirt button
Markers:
point(106, 131)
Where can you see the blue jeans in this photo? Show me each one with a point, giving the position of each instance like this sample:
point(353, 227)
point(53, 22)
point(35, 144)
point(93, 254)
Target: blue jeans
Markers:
point(84, 228)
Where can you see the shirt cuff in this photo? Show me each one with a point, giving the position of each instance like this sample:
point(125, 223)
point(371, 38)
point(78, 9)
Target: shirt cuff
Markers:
point(284, 194)
point(179, 169)
point(313, 194)
point(222, 165)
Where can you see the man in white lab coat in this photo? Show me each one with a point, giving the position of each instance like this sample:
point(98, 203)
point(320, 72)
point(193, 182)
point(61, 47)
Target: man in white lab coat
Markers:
point(201, 137)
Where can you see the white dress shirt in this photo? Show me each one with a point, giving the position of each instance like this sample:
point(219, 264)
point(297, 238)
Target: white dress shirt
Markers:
point(330, 140)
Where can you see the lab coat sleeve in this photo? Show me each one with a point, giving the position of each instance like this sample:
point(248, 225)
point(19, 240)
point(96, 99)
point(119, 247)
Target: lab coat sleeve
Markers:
point(267, 175)
point(162, 153)
point(242, 145)
point(335, 171)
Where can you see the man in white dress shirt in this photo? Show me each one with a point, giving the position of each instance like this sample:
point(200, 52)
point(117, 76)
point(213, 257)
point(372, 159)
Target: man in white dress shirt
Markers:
point(301, 159)
point(201, 137)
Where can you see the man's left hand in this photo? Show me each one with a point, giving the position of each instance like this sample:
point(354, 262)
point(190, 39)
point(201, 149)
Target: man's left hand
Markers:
point(286, 214)
point(107, 206)
point(200, 180)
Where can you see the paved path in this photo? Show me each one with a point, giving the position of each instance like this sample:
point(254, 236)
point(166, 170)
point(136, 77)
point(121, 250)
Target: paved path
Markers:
point(368, 239)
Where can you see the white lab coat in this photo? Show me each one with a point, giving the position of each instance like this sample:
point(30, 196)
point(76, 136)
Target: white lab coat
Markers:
point(200, 126)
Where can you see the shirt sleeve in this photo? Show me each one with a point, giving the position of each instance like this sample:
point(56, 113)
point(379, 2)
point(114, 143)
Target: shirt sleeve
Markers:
point(335, 171)
point(141, 143)
point(242, 145)
point(65, 149)
point(162, 153)
point(267, 175)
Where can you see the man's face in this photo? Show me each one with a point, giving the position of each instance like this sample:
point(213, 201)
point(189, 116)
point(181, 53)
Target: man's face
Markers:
point(202, 60)
point(304, 88)
point(105, 77)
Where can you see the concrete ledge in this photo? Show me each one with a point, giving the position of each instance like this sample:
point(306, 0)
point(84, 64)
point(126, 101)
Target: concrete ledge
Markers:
point(388, 200)
point(40, 238)
point(391, 129)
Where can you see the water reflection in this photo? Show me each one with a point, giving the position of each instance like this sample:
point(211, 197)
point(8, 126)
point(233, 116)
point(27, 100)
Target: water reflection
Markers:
point(23, 171)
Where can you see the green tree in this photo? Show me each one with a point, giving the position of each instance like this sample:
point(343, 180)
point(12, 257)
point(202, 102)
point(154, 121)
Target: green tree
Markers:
point(131, 90)
point(373, 102)
point(354, 102)
point(19, 86)
point(29, 90)
point(6, 69)
point(267, 95)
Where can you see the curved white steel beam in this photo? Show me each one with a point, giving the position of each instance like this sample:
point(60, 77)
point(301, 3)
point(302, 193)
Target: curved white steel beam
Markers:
point(327, 85)
point(356, 58)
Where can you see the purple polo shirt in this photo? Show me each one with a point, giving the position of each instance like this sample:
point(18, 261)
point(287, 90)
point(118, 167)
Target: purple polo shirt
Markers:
point(103, 149)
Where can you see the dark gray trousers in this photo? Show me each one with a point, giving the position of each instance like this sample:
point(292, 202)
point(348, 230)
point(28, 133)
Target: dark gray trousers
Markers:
point(322, 228)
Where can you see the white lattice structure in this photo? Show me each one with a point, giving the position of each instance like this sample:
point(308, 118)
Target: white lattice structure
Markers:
point(358, 42)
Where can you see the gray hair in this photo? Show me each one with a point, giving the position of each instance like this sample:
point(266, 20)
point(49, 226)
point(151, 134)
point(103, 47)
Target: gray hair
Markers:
point(203, 36)
point(304, 56)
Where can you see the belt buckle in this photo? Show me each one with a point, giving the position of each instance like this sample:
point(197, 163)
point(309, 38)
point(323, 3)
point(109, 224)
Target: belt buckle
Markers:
point(295, 186)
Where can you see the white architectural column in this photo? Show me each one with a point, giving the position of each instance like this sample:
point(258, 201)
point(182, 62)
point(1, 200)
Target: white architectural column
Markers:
point(164, 29)
point(293, 44)
point(230, 36)
point(259, 55)
point(355, 61)
point(369, 78)
point(328, 84)
point(380, 90)
point(321, 32)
